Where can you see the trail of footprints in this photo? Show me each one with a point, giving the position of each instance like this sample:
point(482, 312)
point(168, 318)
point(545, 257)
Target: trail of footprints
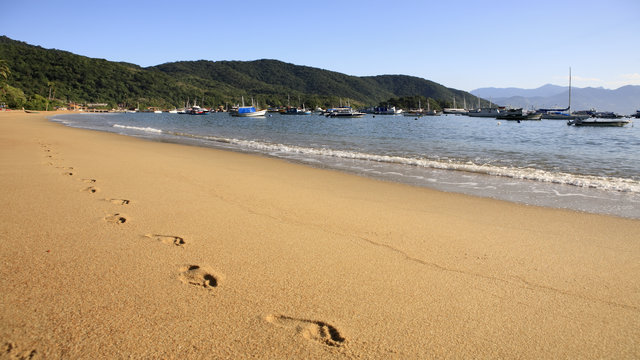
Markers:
point(205, 277)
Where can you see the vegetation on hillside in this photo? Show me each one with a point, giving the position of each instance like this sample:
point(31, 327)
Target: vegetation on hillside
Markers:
point(41, 78)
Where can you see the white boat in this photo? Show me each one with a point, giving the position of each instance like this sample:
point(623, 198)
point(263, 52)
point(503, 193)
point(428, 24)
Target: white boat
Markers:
point(247, 111)
point(174, 111)
point(385, 110)
point(197, 110)
point(454, 110)
point(602, 122)
point(484, 112)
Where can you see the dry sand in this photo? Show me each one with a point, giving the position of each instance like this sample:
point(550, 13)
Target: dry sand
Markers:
point(116, 247)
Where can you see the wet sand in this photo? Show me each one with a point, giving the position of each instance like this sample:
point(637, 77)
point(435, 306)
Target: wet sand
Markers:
point(114, 247)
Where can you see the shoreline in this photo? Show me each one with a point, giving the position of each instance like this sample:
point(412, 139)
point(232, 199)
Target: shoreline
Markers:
point(117, 247)
point(583, 192)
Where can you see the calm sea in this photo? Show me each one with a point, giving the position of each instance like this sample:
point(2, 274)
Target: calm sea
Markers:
point(534, 162)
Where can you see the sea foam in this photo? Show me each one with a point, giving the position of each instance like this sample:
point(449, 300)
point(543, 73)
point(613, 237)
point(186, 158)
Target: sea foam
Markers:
point(145, 129)
point(520, 173)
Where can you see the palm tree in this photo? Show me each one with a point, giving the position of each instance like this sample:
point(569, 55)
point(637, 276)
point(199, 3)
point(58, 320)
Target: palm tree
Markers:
point(4, 75)
point(4, 70)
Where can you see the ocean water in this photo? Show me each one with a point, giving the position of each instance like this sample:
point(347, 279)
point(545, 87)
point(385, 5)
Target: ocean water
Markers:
point(544, 163)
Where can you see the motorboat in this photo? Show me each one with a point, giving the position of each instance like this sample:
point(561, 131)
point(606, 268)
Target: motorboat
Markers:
point(386, 110)
point(197, 110)
point(344, 112)
point(295, 111)
point(598, 121)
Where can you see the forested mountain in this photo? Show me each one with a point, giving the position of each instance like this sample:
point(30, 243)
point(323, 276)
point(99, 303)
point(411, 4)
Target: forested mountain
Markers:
point(38, 74)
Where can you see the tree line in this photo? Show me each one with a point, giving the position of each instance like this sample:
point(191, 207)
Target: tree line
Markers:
point(38, 78)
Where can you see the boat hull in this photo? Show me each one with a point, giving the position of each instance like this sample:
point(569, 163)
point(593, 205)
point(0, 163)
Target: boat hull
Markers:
point(250, 114)
point(510, 117)
point(599, 123)
point(354, 115)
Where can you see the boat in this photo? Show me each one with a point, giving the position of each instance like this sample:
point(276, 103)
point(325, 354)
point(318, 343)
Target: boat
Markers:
point(454, 110)
point(344, 111)
point(247, 111)
point(420, 111)
point(295, 111)
point(386, 110)
point(598, 121)
point(197, 110)
point(415, 112)
point(484, 112)
point(562, 114)
point(518, 115)
point(637, 114)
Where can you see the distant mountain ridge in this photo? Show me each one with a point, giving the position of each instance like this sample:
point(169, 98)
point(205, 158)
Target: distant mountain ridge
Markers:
point(624, 100)
point(38, 74)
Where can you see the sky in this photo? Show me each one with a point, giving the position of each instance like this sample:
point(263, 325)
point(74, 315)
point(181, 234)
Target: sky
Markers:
point(463, 44)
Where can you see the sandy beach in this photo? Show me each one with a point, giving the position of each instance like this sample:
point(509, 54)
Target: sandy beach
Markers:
point(117, 247)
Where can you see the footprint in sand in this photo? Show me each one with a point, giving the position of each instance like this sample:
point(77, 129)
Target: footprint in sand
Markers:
point(314, 330)
point(167, 239)
point(199, 276)
point(91, 189)
point(89, 181)
point(68, 173)
point(11, 351)
point(119, 201)
point(116, 219)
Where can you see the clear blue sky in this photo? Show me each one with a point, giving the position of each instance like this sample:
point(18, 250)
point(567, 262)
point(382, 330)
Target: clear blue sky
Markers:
point(462, 44)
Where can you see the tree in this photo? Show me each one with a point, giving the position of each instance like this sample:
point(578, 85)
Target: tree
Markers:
point(37, 102)
point(13, 97)
point(4, 71)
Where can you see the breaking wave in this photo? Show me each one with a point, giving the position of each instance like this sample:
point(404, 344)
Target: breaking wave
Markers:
point(145, 129)
point(520, 173)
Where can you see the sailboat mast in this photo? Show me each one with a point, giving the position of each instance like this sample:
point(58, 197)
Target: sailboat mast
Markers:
point(569, 90)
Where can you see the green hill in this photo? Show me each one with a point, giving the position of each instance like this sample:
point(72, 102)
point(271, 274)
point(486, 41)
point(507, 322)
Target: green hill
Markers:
point(40, 74)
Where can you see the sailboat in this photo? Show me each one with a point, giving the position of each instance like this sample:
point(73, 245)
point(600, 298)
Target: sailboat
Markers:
point(415, 112)
point(454, 110)
point(247, 111)
point(484, 112)
point(561, 114)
